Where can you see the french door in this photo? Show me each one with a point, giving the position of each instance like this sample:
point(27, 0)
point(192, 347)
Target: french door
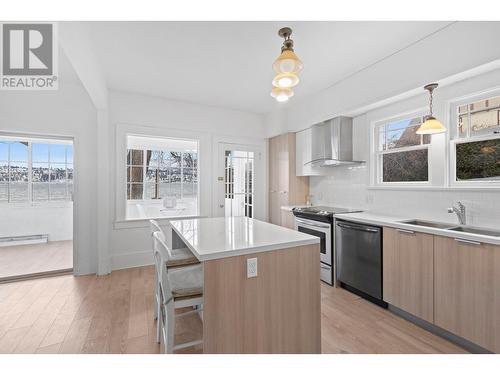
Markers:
point(238, 173)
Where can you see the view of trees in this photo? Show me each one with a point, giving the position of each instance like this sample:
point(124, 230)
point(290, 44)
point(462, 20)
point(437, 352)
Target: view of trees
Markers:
point(478, 160)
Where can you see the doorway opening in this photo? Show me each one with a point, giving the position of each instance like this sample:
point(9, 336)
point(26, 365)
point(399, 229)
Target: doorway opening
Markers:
point(36, 205)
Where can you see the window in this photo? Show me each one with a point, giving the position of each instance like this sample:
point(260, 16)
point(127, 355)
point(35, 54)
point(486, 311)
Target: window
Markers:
point(162, 170)
point(35, 170)
point(402, 156)
point(476, 144)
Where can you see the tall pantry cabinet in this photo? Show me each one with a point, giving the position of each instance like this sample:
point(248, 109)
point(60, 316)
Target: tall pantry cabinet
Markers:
point(285, 188)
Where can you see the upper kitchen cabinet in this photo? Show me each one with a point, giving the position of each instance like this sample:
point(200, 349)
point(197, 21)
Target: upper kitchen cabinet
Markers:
point(285, 187)
point(303, 146)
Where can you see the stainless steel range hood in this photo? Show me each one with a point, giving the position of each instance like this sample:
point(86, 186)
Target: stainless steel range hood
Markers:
point(332, 143)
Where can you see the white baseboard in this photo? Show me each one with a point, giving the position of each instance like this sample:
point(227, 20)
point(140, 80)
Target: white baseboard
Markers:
point(130, 260)
point(24, 240)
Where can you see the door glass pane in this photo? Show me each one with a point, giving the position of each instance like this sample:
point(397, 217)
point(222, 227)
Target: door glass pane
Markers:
point(238, 184)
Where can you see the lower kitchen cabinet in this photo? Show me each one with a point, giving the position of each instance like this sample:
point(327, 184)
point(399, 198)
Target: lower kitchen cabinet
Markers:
point(467, 290)
point(408, 277)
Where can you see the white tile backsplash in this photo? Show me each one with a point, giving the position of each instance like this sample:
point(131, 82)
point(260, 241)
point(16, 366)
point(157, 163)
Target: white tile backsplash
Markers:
point(349, 188)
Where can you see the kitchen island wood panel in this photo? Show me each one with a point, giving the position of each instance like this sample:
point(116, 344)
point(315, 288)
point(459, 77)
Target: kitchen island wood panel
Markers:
point(276, 312)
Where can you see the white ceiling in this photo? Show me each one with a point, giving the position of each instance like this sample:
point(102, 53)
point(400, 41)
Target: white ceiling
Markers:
point(228, 64)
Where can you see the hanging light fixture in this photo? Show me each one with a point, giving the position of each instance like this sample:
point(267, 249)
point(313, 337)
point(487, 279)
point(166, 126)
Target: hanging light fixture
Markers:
point(281, 94)
point(287, 65)
point(285, 80)
point(431, 125)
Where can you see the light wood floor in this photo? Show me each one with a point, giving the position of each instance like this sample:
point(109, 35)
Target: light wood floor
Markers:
point(33, 259)
point(114, 314)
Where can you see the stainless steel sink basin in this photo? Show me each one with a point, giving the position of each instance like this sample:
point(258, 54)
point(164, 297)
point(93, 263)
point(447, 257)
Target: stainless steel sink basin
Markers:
point(431, 224)
point(484, 232)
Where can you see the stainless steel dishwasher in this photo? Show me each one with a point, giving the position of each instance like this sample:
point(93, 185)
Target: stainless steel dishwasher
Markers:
point(359, 259)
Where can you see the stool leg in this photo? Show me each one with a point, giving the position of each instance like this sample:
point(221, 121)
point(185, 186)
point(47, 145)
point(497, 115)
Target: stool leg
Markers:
point(155, 310)
point(159, 320)
point(170, 327)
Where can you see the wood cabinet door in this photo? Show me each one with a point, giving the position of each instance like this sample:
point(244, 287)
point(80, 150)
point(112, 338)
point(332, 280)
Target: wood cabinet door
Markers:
point(274, 213)
point(283, 163)
point(467, 290)
point(408, 276)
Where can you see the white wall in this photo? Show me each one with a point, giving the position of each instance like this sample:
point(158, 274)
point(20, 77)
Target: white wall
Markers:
point(130, 242)
point(54, 220)
point(350, 187)
point(67, 112)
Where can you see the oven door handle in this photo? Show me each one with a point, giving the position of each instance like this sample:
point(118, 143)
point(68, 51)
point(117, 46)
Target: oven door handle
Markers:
point(312, 223)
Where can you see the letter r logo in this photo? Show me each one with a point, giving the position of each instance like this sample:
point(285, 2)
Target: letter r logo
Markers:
point(27, 49)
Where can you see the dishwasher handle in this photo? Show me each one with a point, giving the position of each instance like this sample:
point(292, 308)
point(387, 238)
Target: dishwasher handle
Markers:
point(358, 227)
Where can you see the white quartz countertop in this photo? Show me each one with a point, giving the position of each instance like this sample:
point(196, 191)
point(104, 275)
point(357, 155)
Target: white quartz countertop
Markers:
point(395, 222)
point(219, 237)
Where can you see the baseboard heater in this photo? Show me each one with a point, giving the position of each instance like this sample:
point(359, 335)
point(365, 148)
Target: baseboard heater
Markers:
point(24, 240)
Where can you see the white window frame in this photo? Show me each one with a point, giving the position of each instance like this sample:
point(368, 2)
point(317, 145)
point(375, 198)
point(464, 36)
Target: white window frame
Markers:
point(119, 183)
point(377, 154)
point(455, 139)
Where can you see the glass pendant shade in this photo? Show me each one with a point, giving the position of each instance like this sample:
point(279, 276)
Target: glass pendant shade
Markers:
point(287, 62)
point(281, 94)
point(431, 126)
point(285, 80)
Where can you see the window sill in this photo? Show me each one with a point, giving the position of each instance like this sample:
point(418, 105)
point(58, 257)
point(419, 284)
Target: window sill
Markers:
point(143, 223)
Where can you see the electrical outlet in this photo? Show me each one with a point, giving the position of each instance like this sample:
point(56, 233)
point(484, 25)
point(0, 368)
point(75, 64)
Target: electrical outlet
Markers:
point(251, 267)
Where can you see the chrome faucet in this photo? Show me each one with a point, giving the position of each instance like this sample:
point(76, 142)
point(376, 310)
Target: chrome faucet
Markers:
point(459, 209)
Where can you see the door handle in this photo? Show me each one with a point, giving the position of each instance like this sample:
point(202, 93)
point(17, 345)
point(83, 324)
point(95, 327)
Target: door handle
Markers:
point(467, 241)
point(406, 231)
point(221, 205)
point(355, 227)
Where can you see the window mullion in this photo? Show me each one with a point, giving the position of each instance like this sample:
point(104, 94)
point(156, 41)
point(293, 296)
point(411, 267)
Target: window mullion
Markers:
point(30, 172)
point(144, 171)
point(8, 173)
point(50, 175)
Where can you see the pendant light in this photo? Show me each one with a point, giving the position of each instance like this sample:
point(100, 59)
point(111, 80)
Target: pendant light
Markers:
point(281, 94)
point(287, 65)
point(431, 125)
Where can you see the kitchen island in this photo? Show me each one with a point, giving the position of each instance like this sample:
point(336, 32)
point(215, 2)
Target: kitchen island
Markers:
point(261, 285)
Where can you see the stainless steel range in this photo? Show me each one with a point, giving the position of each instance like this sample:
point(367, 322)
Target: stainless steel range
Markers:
point(319, 221)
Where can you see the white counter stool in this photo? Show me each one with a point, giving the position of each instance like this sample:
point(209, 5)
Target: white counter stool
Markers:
point(179, 287)
point(179, 258)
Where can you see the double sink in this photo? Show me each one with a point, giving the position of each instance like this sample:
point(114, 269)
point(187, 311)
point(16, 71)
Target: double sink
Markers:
point(460, 228)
